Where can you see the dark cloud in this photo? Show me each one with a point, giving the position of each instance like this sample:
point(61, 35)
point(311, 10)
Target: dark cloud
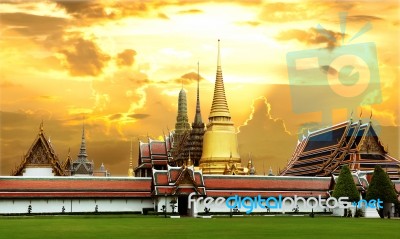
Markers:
point(191, 11)
point(88, 12)
point(138, 116)
point(126, 58)
point(33, 25)
point(163, 3)
point(312, 36)
point(363, 18)
point(84, 9)
point(84, 57)
point(188, 78)
point(265, 138)
point(115, 116)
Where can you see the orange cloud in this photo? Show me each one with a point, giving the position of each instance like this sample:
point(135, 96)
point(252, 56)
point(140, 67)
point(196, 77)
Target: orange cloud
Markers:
point(265, 137)
point(84, 57)
point(126, 58)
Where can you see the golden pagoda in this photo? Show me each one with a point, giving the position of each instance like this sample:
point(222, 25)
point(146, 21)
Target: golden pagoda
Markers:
point(220, 148)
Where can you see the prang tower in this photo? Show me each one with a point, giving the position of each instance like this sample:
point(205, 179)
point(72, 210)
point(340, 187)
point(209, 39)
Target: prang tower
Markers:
point(180, 150)
point(220, 148)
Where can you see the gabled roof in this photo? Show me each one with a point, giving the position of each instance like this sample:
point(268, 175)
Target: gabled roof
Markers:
point(155, 152)
point(178, 181)
point(323, 152)
point(40, 154)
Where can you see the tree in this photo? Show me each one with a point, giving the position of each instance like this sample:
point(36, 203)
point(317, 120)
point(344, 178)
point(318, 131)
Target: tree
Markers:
point(381, 188)
point(345, 187)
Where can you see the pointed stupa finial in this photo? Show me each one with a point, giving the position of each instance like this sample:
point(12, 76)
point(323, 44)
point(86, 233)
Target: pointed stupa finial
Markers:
point(219, 107)
point(189, 161)
point(219, 54)
point(197, 117)
point(370, 116)
point(130, 156)
point(82, 152)
point(41, 126)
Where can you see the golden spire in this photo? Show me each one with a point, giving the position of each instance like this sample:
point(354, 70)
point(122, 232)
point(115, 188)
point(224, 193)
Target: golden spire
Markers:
point(130, 169)
point(189, 161)
point(219, 106)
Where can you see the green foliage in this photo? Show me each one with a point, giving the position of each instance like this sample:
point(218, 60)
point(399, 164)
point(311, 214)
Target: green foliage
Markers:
point(381, 187)
point(345, 186)
point(359, 213)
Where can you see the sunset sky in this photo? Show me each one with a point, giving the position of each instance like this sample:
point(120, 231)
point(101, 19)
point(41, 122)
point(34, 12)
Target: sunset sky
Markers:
point(119, 65)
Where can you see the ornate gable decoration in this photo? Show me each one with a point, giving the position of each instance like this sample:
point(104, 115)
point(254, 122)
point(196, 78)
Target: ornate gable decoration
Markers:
point(40, 154)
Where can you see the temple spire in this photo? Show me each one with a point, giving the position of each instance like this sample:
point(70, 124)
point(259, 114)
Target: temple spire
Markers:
point(82, 152)
point(197, 117)
point(219, 107)
point(182, 123)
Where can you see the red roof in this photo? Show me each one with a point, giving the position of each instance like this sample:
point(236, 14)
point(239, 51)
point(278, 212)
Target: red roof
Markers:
point(74, 187)
point(144, 150)
point(223, 182)
point(158, 147)
point(224, 185)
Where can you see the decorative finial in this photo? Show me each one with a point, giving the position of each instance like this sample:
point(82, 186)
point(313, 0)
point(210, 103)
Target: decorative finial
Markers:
point(219, 56)
point(351, 115)
point(189, 161)
point(370, 117)
point(41, 126)
point(360, 113)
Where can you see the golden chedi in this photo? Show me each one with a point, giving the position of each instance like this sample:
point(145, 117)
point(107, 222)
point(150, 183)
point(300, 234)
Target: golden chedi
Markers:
point(220, 148)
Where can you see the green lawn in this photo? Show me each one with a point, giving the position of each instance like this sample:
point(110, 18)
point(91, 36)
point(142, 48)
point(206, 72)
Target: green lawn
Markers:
point(73, 227)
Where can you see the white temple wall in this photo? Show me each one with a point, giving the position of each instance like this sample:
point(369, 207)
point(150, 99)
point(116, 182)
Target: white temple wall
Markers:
point(199, 206)
point(9, 206)
point(38, 172)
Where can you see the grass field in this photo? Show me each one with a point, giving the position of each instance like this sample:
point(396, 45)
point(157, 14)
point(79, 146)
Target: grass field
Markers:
point(73, 227)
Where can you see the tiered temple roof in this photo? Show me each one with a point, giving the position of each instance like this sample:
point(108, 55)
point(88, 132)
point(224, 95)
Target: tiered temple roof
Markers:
point(178, 181)
point(154, 154)
point(356, 144)
point(41, 154)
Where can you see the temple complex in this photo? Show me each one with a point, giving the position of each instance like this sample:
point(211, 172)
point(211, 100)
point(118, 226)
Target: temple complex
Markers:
point(220, 148)
point(197, 162)
point(323, 152)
